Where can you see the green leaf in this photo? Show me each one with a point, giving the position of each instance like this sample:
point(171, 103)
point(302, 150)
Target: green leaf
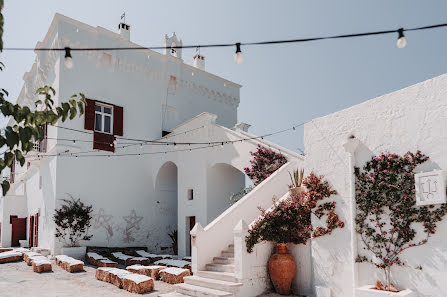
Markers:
point(73, 112)
point(73, 103)
point(38, 102)
point(19, 157)
point(5, 187)
point(65, 106)
point(81, 108)
point(4, 91)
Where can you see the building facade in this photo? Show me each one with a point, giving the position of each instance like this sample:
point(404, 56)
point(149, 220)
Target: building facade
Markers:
point(140, 95)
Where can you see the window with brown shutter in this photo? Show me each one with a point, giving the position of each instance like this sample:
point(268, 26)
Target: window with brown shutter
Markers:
point(106, 122)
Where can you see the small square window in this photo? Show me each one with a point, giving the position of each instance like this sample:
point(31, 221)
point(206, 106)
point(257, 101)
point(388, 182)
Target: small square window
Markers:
point(103, 118)
point(190, 194)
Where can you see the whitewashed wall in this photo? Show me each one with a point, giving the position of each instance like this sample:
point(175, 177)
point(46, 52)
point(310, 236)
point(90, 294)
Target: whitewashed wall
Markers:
point(411, 119)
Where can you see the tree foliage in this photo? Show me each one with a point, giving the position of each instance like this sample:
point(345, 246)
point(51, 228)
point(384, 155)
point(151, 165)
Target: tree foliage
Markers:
point(30, 122)
point(72, 221)
point(289, 220)
point(387, 215)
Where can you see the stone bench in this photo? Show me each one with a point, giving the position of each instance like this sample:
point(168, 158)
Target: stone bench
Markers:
point(41, 264)
point(69, 264)
point(139, 261)
point(10, 256)
point(27, 255)
point(100, 261)
point(121, 258)
point(174, 263)
point(152, 257)
point(124, 279)
point(174, 275)
point(137, 283)
point(152, 271)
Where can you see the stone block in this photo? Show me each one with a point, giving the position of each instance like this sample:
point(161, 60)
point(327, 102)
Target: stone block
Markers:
point(152, 271)
point(137, 283)
point(10, 256)
point(173, 275)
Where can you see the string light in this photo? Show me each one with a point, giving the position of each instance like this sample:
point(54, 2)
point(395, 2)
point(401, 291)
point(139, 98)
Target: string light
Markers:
point(68, 59)
point(238, 56)
point(401, 41)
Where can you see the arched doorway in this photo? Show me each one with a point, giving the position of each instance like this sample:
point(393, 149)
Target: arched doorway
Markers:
point(166, 199)
point(223, 181)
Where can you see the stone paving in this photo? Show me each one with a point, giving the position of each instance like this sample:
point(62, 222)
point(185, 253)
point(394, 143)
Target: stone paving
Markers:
point(17, 280)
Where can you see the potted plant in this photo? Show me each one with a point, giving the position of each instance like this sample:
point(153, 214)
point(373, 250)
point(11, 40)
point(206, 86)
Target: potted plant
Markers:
point(297, 181)
point(289, 221)
point(72, 221)
point(387, 216)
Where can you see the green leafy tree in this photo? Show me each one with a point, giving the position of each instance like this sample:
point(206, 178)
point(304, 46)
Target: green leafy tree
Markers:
point(30, 124)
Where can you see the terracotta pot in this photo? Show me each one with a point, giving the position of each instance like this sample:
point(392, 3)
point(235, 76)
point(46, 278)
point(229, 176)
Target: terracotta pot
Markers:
point(296, 191)
point(282, 269)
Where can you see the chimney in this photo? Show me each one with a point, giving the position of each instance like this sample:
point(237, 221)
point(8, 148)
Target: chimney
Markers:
point(124, 31)
point(199, 61)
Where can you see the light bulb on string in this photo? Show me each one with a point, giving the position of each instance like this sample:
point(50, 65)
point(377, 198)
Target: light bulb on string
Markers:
point(401, 41)
point(68, 59)
point(293, 128)
point(238, 56)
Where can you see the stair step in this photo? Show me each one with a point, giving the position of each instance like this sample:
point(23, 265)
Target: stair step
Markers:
point(173, 294)
point(225, 276)
point(223, 260)
point(212, 283)
point(197, 291)
point(227, 253)
point(220, 267)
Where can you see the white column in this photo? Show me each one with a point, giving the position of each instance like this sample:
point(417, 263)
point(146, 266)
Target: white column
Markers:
point(351, 146)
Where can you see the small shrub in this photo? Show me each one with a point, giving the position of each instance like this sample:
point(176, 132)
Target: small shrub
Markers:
point(264, 163)
point(235, 197)
point(289, 220)
point(72, 221)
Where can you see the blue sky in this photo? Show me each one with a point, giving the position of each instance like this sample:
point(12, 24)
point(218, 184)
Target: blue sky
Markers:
point(282, 84)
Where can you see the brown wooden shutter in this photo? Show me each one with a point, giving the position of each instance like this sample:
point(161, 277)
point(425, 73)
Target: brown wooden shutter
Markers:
point(31, 231)
point(89, 117)
point(117, 120)
point(104, 142)
point(36, 231)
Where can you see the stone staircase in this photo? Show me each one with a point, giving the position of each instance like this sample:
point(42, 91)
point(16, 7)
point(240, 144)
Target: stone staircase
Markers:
point(218, 280)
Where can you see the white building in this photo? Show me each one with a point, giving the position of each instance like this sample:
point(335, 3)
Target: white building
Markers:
point(138, 199)
point(138, 94)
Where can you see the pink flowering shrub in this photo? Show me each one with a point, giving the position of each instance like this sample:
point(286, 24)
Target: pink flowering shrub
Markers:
point(264, 163)
point(289, 220)
point(387, 211)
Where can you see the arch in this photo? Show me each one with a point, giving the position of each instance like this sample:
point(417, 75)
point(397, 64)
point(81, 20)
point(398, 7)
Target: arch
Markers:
point(166, 193)
point(223, 180)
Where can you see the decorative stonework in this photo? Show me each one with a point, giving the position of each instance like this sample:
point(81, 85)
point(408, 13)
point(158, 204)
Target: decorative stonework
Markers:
point(430, 187)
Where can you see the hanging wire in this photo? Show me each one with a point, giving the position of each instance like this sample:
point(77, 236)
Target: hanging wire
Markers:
point(216, 45)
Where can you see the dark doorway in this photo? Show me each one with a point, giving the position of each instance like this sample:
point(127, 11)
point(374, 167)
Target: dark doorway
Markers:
point(192, 223)
point(18, 231)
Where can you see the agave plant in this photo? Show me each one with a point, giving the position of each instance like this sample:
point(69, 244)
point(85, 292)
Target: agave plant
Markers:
point(297, 178)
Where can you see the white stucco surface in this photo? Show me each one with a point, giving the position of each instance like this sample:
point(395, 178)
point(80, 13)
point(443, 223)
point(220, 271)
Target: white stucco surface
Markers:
point(407, 120)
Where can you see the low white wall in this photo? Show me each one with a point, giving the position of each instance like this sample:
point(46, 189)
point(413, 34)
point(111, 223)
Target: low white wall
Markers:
point(411, 119)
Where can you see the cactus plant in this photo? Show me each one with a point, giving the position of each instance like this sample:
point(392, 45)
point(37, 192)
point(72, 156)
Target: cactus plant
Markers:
point(297, 178)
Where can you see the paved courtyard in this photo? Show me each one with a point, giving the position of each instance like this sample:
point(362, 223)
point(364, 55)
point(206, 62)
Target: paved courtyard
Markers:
point(17, 280)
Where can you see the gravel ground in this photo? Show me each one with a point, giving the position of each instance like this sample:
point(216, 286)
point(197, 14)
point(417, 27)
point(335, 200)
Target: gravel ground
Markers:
point(17, 280)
